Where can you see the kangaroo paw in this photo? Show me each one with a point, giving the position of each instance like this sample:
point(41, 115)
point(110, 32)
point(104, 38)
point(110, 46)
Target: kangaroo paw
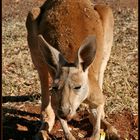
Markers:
point(112, 134)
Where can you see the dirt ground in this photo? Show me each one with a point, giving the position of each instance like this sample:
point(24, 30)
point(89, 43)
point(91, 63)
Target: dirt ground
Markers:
point(20, 84)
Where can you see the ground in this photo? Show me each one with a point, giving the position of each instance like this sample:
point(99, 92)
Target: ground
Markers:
point(20, 84)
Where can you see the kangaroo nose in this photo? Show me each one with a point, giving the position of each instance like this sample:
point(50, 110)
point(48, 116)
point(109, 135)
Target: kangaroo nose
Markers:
point(63, 113)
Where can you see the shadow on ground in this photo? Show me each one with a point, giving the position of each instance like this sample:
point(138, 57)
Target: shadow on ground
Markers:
point(21, 121)
point(17, 124)
point(23, 125)
point(20, 98)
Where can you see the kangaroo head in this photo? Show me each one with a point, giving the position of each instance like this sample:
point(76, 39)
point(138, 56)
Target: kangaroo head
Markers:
point(70, 80)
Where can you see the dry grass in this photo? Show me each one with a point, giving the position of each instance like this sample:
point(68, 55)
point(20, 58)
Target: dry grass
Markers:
point(121, 76)
point(18, 77)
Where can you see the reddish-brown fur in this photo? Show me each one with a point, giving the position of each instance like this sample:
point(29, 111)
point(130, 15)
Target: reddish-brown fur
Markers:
point(64, 24)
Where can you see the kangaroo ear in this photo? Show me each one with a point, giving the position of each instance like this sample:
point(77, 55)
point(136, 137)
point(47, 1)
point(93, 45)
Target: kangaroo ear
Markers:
point(86, 52)
point(51, 56)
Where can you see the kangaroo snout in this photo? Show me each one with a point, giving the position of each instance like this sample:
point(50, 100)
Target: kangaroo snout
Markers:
point(65, 113)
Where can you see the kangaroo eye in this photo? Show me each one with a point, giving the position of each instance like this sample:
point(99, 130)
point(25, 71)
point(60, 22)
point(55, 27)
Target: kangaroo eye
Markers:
point(55, 88)
point(78, 87)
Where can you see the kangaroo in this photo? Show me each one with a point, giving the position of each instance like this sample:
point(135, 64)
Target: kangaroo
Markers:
point(71, 40)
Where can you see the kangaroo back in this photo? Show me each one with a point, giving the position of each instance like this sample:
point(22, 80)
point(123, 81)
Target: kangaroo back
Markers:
point(65, 24)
